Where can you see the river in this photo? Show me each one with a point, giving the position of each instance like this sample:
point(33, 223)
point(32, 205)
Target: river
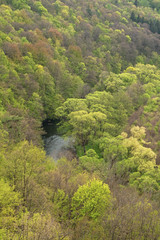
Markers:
point(55, 145)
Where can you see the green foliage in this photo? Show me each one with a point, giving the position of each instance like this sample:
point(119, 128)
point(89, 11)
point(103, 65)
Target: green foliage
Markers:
point(117, 82)
point(95, 67)
point(113, 149)
point(91, 161)
point(10, 208)
point(38, 225)
point(138, 163)
point(86, 125)
point(91, 200)
point(18, 4)
point(61, 205)
point(40, 8)
point(22, 167)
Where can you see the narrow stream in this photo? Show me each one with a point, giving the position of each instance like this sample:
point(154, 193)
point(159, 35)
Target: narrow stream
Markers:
point(55, 145)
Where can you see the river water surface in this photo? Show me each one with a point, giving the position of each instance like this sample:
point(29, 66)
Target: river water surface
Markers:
point(55, 145)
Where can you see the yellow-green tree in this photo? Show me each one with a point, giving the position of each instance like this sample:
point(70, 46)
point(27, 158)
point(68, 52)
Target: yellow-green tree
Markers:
point(23, 167)
point(91, 200)
point(86, 126)
point(10, 210)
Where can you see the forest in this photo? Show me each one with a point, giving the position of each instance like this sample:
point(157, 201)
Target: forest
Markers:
point(93, 67)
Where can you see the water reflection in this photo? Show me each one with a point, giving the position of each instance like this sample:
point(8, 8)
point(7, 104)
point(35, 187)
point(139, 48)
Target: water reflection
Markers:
point(55, 145)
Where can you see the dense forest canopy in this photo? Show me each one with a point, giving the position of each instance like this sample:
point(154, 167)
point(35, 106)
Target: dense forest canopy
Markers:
point(94, 66)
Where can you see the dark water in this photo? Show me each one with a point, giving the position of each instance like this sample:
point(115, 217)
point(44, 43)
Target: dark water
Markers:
point(55, 145)
point(50, 128)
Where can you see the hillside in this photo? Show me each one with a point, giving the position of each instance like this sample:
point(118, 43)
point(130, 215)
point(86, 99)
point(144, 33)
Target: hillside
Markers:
point(93, 66)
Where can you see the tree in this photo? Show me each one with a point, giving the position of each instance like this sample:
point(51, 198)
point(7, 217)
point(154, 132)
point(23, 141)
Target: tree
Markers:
point(91, 200)
point(23, 167)
point(12, 50)
point(132, 217)
point(86, 125)
point(39, 226)
point(139, 162)
point(63, 112)
point(91, 161)
point(10, 209)
point(61, 205)
point(113, 149)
